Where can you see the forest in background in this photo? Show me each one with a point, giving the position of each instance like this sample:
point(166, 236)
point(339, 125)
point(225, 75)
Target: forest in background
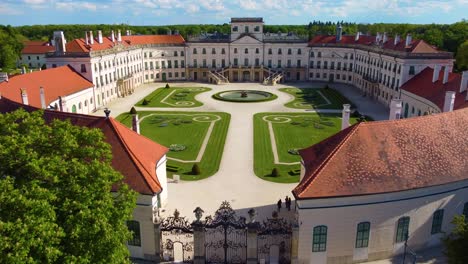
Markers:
point(448, 37)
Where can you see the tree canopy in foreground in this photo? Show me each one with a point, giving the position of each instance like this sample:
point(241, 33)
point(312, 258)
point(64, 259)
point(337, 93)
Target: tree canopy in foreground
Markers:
point(56, 204)
point(456, 243)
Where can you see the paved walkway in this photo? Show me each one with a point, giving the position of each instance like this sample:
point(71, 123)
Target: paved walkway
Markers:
point(235, 181)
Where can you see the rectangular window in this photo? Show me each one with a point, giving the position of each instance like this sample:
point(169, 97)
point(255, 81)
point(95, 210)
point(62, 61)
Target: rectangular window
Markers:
point(83, 68)
point(204, 63)
point(134, 227)
point(437, 220)
point(223, 51)
point(170, 74)
point(175, 53)
point(223, 63)
point(325, 64)
point(319, 54)
point(319, 239)
point(362, 235)
point(235, 61)
point(269, 52)
point(176, 64)
point(279, 63)
point(213, 63)
point(257, 62)
point(182, 64)
point(411, 70)
point(182, 53)
point(182, 74)
point(289, 63)
point(169, 64)
point(176, 74)
point(402, 229)
point(269, 63)
point(194, 62)
point(163, 64)
point(311, 64)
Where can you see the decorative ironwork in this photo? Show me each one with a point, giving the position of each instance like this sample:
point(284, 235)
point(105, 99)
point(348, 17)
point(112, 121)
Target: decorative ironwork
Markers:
point(225, 236)
point(275, 234)
point(176, 230)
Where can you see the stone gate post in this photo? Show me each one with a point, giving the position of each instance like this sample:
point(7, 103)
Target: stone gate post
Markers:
point(157, 235)
point(198, 238)
point(253, 228)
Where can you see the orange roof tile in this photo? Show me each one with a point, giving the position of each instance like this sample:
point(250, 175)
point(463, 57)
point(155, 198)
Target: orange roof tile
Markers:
point(60, 81)
point(422, 86)
point(37, 47)
point(416, 46)
point(79, 45)
point(133, 155)
point(387, 156)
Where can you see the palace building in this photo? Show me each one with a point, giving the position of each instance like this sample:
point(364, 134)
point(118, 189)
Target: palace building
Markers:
point(378, 65)
point(370, 188)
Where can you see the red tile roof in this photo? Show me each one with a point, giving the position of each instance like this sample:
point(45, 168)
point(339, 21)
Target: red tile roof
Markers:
point(387, 156)
point(60, 81)
point(416, 46)
point(133, 155)
point(79, 45)
point(422, 86)
point(37, 47)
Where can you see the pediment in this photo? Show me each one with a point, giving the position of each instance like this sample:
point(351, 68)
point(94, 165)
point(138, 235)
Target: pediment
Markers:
point(246, 39)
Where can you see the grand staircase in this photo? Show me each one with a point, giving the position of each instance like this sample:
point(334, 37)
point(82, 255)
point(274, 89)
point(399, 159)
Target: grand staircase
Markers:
point(273, 78)
point(218, 77)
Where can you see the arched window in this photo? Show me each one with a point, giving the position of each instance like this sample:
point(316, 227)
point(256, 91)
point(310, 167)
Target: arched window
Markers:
point(194, 51)
point(402, 229)
point(279, 51)
point(299, 52)
point(362, 235)
point(289, 51)
point(213, 51)
point(257, 50)
point(74, 109)
point(246, 51)
point(269, 51)
point(79, 106)
point(319, 239)
point(437, 220)
point(235, 50)
point(134, 227)
point(203, 51)
point(406, 110)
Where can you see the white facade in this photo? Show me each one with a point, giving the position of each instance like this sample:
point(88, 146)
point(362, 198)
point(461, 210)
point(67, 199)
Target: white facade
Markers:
point(341, 217)
point(32, 60)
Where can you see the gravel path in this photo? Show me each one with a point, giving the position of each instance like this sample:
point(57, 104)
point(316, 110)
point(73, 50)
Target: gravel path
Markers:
point(235, 181)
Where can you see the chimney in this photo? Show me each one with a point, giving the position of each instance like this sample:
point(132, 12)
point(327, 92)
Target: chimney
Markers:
point(112, 36)
point(463, 82)
point(91, 38)
point(385, 37)
point(42, 95)
point(408, 40)
point(86, 38)
point(128, 32)
point(435, 75)
point(99, 36)
point(339, 32)
point(169, 32)
point(107, 112)
point(395, 109)
point(135, 123)
point(119, 36)
point(377, 37)
point(397, 40)
point(62, 104)
point(446, 74)
point(60, 42)
point(345, 116)
point(23, 70)
point(449, 101)
point(358, 34)
point(24, 96)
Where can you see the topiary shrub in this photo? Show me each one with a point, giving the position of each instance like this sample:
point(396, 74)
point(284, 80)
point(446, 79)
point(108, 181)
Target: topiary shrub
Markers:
point(167, 85)
point(133, 111)
point(195, 169)
point(293, 151)
point(145, 102)
point(177, 147)
point(275, 172)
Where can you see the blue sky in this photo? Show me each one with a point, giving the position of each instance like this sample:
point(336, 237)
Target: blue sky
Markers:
point(168, 12)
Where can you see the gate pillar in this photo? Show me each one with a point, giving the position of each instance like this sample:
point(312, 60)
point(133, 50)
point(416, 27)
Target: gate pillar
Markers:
point(157, 234)
point(295, 245)
point(253, 228)
point(198, 238)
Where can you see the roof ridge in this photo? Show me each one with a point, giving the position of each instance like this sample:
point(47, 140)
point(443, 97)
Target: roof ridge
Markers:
point(127, 148)
point(353, 129)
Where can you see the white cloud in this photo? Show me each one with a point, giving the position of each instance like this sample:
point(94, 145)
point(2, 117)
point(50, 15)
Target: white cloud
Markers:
point(34, 2)
point(6, 9)
point(248, 5)
point(192, 8)
point(71, 6)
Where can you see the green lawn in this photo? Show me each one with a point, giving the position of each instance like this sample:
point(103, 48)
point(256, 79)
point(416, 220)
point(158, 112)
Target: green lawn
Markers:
point(182, 128)
point(293, 131)
point(311, 98)
point(173, 97)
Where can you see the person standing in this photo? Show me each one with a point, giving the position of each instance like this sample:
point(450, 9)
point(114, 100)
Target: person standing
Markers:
point(279, 205)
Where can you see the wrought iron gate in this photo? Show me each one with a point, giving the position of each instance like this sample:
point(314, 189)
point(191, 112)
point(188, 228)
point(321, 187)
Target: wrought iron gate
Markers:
point(225, 236)
point(177, 233)
point(275, 232)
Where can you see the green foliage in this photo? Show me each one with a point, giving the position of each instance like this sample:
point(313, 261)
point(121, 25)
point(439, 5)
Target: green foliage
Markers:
point(133, 111)
point(10, 47)
point(274, 172)
point(55, 194)
point(456, 243)
point(184, 94)
point(195, 169)
point(167, 85)
point(462, 57)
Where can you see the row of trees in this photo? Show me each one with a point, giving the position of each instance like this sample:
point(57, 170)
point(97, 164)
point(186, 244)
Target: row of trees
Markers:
point(11, 44)
point(447, 37)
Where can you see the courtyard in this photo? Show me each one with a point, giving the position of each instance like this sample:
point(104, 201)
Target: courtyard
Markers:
point(247, 159)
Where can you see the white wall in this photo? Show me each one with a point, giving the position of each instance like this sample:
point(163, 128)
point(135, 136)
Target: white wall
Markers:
point(341, 216)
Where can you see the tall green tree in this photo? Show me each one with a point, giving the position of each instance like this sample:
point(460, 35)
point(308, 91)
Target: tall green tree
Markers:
point(462, 56)
point(56, 204)
point(456, 243)
point(10, 47)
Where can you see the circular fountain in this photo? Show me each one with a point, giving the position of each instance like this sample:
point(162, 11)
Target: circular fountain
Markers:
point(244, 96)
